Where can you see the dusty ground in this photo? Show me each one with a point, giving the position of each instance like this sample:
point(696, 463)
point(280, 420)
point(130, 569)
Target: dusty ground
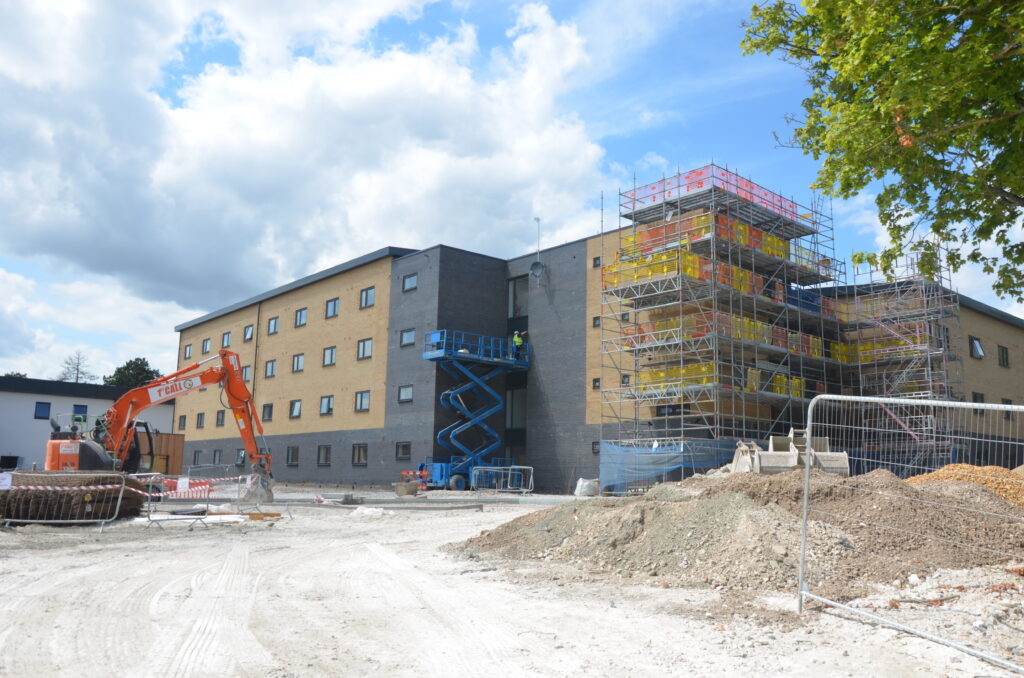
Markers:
point(340, 591)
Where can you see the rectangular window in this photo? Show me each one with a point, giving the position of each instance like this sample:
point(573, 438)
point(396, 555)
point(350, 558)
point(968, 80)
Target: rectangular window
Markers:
point(407, 337)
point(216, 456)
point(268, 412)
point(206, 345)
point(300, 317)
point(327, 404)
point(225, 340)
point(80, 410)
point(188, 351)
point(1004, 356)
point(197, 456)
point(978, 398)
point(323, 455)
point(362, 401)
point(220, 418)
point(272, 325)
point(1007, 415)
point(596, 321)
point(247, 333)
point(270, 369)
point(597, 262)
point(515, 408)
point(331, 308)
point(366, 297)
point(403, 450)
point(181, 422)
point(298, 362)
point(291, 455)
point(595, 447)
point(42, 411)
point(246, 372)
point(405, 393)
point(364, 349)
point(624, 316)
point(595, 383)
point(518, 296)
point(330, 355)
point(359, 454)
point(295, 409)
point(410, 282)
point(200, 419)
point(240, 455)
point(624, 379)
point(977, 351)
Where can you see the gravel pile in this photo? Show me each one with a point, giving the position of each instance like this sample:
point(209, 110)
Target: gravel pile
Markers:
point(1007, 484)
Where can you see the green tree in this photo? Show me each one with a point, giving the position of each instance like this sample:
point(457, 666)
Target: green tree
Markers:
point(135, 372)
point(926, 96)
point(20, 375)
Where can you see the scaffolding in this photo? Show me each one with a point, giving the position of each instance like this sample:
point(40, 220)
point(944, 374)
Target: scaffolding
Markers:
point(725, 310)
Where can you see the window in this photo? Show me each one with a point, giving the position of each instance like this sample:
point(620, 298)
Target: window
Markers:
point(403, 450)
point(225, 340)
point(365, 349)
point(246, 372)
point(291, 455)
point(331, 308)
point(595, 321)
point(272, 325)
point(595, 447)
point(1008, 416)
point(366, 297)
point(597, 262)
point(197, 456)
point(327, 404)
point(330, 355)
point(188, 351)
point(1004, 356)
point(298, 362)
point(405, 393)
point(42, 411)
point(80, 410)
point(323, 455)
point(247, 333)
point(407, 337)
point(359, 454)
point(270, 369)
point(220, 418)
point(216, 456)
point(241, 454)
point(975, 347)
point(295, 409)
point(624, 316)
point(206, 345)
point(200, 419)
point(410, 282)
point(181, 422)
point(362, 401)
point(595, 383)
point(268, 412)
point(624, 379)
point(300, 317)
point(978, 398)
point(515, 409)
point(518, 297)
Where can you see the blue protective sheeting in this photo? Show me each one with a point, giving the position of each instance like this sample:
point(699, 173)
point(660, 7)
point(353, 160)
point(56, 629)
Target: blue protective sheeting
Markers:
point(623, 465)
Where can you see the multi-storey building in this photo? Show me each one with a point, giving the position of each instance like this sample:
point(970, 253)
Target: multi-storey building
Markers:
point(714, 312)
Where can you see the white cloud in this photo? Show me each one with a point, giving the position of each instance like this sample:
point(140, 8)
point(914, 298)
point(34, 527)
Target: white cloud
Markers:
point(282, 165)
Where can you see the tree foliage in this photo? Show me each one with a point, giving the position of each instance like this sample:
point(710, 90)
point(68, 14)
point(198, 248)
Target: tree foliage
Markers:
point(135, 372)
point(926, 96)
point(20, 375)
point(75, 368)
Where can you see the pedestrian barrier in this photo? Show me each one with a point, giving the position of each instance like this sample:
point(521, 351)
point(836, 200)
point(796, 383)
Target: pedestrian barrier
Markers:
point(63, 498)
point(503, 478)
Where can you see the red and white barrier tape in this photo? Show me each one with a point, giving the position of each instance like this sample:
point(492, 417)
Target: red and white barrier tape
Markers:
point(204, 489)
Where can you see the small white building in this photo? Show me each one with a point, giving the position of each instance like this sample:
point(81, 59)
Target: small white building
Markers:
point(27, 405)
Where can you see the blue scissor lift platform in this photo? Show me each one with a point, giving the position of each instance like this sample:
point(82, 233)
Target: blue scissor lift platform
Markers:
point(472, 360)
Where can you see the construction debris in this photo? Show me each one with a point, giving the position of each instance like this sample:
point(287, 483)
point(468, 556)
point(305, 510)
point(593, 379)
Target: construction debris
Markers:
point(1007, 484)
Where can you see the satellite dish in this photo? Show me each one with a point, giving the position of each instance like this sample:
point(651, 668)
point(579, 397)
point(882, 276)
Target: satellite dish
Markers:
point(536, 269)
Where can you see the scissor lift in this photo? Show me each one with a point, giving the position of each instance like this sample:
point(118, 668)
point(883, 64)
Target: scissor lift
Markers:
point(472, 360)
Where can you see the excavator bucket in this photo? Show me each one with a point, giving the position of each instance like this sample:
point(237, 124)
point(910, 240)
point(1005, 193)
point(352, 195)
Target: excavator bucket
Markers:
point(786, 453)
point(261, 488)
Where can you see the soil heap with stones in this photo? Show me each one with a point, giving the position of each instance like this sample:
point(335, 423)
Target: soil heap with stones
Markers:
point(743, 531)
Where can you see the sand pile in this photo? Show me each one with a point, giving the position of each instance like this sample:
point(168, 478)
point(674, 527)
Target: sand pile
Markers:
point(1007, 484)
point(743, 532)
point(91, 505)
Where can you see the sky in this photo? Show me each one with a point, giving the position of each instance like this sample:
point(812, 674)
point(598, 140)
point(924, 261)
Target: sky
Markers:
point(162, 160)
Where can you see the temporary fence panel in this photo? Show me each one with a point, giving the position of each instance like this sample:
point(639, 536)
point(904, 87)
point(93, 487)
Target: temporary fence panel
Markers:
point(63, 498)
point(927, 535)
point(503, 478)
point(630, 467)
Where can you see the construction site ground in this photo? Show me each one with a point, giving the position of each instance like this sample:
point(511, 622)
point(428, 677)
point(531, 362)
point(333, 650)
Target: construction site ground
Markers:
point(378, 590)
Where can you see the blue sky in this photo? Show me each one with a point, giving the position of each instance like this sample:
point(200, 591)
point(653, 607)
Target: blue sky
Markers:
point(160, 161)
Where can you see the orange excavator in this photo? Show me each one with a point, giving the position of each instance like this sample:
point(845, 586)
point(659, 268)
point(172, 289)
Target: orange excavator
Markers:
point(113, 443)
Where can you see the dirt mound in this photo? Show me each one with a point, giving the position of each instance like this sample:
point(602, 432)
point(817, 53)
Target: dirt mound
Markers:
point(743, 532)
point(1007, 484)
point(77, 504)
